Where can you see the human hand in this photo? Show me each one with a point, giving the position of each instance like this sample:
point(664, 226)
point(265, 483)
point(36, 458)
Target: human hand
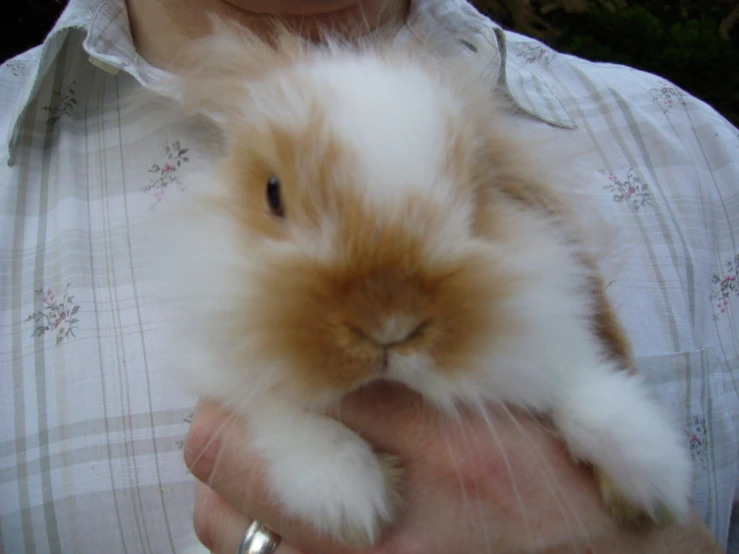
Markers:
point(505, 485)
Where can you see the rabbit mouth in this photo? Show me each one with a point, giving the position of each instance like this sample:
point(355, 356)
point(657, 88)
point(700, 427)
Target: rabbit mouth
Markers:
point(384, 362)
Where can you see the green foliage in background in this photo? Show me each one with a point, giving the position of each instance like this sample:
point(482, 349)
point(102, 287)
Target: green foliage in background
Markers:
point(692, 43)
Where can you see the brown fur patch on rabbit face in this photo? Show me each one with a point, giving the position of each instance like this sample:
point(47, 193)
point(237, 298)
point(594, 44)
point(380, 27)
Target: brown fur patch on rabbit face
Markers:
point(347, 287)
point(378, 265)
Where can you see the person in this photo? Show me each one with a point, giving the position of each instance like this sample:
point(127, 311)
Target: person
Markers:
point(91, 446)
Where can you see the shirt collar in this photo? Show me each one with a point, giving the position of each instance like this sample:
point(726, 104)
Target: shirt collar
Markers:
point(457, 28)
point(449, 24)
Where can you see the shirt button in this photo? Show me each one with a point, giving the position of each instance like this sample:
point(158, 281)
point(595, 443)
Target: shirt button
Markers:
point(105, 66)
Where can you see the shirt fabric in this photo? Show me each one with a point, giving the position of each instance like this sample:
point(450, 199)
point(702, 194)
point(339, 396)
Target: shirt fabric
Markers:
point(90, 431)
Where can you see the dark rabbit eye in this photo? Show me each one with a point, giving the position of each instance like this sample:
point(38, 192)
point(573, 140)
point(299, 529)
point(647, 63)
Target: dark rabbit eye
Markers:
point(274, 196)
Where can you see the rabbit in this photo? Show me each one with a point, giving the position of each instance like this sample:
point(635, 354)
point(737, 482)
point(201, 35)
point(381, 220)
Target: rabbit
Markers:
point(372, 218)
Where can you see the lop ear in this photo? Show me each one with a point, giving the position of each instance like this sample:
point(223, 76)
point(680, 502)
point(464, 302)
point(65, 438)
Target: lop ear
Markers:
point(213, 73)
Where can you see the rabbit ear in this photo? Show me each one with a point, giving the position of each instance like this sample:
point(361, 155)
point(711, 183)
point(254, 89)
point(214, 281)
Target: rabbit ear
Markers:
point(213, 73)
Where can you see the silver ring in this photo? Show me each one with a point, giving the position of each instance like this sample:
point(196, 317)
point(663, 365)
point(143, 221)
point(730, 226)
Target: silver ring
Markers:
point(258, 540)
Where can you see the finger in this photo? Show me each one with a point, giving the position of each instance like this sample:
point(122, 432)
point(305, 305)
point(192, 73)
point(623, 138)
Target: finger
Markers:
point(397, 420)
point(217, 453)
point(389, 416)
point(220, 527)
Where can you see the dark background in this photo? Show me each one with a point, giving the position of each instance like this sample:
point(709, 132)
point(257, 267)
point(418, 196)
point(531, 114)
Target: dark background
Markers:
point(25, 23)
point(692, 43)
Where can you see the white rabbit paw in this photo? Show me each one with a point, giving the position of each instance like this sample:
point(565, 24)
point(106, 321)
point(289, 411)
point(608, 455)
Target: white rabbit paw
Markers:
point(359, 531)
point(627, 511)
point(641, 462)
point(350, 493)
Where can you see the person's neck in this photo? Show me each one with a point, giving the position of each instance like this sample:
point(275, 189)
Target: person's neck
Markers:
point(160, 28)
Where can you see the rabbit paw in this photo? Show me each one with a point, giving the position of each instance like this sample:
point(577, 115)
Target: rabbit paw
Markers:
point(362, 500)
point(356, 530)
point(641, 463)
point(341, 487)
point(623, 509)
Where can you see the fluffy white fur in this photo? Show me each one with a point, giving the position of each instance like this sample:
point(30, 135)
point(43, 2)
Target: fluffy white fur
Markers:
point(395, 116)
point(604, 414)
point(320, 471)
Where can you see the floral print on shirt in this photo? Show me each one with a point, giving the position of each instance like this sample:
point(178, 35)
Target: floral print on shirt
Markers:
point(188, 419)
point(667, 97)
point(62, 102)
point(167, 173)
point(698, 440)
point(56, 316)
point(533, 52)
point(631, 189)
point(725, 286)
point(16, 66)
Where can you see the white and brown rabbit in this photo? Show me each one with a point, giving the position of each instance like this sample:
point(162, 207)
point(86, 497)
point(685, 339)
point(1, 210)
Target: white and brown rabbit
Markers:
point(371, 219)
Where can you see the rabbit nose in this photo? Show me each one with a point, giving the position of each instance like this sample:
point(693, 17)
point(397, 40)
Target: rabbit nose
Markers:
point(398, 329)
point(394, 330)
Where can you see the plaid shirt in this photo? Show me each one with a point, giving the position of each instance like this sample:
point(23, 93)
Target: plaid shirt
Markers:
point(91, 433)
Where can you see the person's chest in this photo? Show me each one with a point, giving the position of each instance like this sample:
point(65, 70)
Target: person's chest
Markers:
point(79, 326)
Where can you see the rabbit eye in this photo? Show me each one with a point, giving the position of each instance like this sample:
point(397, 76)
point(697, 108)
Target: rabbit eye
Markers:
point(274, 196)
